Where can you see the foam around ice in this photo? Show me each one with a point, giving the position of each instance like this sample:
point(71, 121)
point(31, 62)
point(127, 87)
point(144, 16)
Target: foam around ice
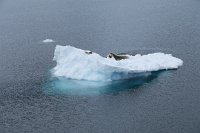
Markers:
point(74, 63)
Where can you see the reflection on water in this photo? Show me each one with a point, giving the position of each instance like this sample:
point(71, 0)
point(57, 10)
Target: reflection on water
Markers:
point(80, 87)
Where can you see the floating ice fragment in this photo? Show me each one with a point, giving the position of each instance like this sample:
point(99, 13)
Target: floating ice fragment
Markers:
point(74, 63)
point(48, 41)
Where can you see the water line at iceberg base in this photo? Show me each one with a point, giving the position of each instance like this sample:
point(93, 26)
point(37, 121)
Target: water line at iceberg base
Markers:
point(63, 86)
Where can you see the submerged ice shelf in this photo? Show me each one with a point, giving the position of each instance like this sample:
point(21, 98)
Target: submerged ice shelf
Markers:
point(74, 63)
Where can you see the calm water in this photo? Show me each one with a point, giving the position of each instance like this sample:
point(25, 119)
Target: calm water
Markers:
point(165, 102)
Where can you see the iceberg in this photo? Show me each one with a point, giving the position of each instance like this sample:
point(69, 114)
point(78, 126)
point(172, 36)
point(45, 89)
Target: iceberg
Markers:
point(74, 63)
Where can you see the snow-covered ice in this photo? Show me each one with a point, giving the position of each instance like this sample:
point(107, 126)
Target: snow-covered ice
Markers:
point(48, 41)
point(74, 63)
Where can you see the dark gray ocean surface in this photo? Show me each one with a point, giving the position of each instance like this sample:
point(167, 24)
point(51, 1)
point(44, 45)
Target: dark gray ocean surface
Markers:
point(166, 102)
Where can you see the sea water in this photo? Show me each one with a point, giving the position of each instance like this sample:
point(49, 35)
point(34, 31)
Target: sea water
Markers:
point(167, 102)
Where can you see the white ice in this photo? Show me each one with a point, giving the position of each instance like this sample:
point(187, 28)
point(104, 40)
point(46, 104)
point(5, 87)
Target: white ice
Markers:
point(48, 41)
point(74, 63)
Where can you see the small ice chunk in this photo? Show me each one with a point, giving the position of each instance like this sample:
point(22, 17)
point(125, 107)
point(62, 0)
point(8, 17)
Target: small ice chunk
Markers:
point(48, 41)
